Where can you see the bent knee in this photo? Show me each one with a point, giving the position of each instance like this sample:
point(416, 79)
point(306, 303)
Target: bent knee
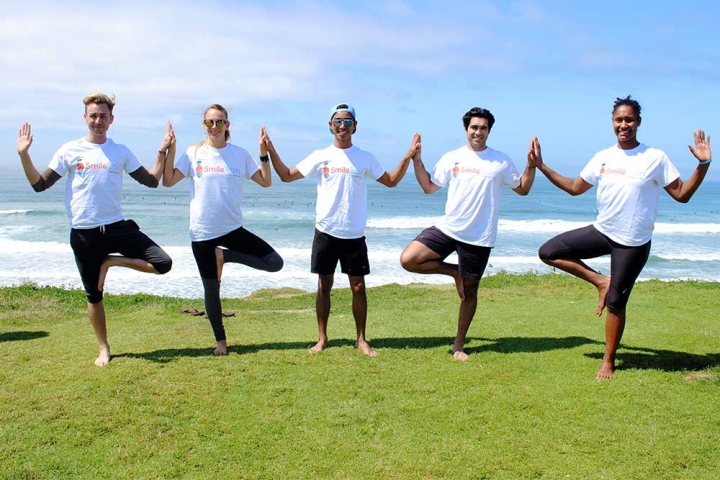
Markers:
point(275, 263)
point(547, 252)
point(163, 266)
point(408, 261)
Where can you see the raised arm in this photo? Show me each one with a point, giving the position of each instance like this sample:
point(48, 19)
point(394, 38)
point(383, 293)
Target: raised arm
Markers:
point(573, 187)
point(263, 177)
point(151, 178)
point(422, 175)
point(393, 178)
point(683, 191)
point(39, 181)
point(286, 174)
point(24, 141)
point(528, 177)
point(171, 175)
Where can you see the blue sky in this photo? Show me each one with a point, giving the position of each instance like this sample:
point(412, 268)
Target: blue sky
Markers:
point(545, 68)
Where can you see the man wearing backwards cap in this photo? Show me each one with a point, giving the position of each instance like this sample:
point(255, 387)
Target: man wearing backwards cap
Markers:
point(341, 213)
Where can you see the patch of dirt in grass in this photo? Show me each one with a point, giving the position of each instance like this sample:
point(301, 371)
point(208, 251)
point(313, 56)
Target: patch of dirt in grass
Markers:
point(700, 376)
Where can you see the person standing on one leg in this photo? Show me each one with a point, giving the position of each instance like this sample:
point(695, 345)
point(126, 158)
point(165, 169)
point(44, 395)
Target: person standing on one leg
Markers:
point(475, 174)
point(217, 170)
point(94, 166)
point(629, 176)
point(341, 213)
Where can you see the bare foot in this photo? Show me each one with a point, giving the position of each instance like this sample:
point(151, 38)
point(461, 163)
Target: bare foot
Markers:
point(603, 289)
point(460, 355)
point(319, 346)
point(460, 286)
point(219, 261)
point(365, 347)
point(104, 267)
point(103, 357)
point(606, 371)
point(221, 348)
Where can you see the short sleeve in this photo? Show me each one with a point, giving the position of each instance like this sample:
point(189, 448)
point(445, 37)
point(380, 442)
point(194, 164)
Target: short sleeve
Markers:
point(309, 165)
point(59, 163)
point(668, 172)
point(183, 164)
point(591, 173)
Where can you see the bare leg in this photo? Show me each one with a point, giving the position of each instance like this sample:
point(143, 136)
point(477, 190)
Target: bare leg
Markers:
point(120, 261)
point(614, 328)
point(359, 308)
point(219, 262)
point(322, 309)
point(582, 271)
point(96, 312)
point(418, 258)
point(468, 306)
point(221, 348)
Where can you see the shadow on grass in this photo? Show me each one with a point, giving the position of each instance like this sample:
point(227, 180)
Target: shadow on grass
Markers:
point(664, 360)
point(501, 345)
point(169, 354)
point(20, 336)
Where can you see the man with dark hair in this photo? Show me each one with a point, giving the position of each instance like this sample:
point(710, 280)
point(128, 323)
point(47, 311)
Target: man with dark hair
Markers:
point(474, 174)
point(94, 165)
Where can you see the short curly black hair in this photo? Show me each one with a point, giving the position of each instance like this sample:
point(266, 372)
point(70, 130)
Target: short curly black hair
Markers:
point(479, 113)
point(629, 102)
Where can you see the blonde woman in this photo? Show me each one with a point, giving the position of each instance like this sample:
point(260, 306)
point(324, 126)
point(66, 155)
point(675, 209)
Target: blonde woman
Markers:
point(217, 170)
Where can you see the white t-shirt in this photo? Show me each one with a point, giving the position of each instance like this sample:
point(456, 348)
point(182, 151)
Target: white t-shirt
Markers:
point(629, 183)
point(217, 188)
point(473, 201)
point(342, 188)
point(94, 180)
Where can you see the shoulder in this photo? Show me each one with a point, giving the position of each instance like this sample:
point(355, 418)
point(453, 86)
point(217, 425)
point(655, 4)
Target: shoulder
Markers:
point(455, 154)
point(237, 150)
point(497, 155)
point(651, 151)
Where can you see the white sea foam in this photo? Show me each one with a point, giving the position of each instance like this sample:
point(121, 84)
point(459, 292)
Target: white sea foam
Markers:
point(14, 212)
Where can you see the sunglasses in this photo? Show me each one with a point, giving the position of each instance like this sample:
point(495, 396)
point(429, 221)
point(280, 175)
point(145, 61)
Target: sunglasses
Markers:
point(348, 122)
point(212, 123)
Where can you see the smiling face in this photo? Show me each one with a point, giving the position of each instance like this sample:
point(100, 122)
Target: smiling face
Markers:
point(625, 124)
point(98, 118)
point(342, 126)
point(216, 125)
point(477, 132)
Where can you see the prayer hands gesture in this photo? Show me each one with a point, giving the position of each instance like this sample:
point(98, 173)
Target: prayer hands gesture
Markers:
point(534, 155)
point(25, 139)
point(169, 139)
point(702, 146)
point(264, 142)
point(415, 147)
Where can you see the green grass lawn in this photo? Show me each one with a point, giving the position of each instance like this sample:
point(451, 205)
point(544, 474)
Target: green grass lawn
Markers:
point(526, 404)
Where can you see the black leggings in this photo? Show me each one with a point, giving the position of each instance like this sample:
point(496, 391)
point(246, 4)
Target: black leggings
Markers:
point(241, 246)
point(626, 263)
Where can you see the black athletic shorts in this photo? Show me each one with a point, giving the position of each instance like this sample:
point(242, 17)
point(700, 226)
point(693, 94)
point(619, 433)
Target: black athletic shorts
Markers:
point(92, 245)
point(472, 259)
point(328, 250)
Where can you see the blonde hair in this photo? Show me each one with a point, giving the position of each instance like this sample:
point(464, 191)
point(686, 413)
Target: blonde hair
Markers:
point(100, 99)
point(215, 106)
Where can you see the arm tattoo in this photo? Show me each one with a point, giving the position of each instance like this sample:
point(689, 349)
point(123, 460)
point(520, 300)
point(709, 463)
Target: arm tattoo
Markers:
point(47, 180)
point(143, 177)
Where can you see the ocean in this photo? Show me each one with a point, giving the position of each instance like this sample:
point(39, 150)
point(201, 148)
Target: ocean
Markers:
point(34, 235)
